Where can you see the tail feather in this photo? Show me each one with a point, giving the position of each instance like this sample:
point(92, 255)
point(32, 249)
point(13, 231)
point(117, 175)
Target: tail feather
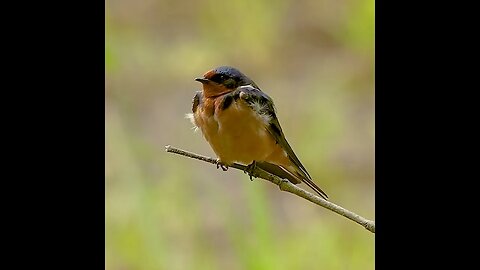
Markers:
point(313, 186)
point(295, 178)
point(278, 171)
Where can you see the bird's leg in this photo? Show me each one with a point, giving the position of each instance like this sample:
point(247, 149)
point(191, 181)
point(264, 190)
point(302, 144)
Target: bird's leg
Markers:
point(280, 185)
point(221, 165)
point(251, 170)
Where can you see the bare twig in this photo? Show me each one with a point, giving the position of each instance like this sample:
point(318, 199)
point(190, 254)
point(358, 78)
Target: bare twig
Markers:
point(285, 186)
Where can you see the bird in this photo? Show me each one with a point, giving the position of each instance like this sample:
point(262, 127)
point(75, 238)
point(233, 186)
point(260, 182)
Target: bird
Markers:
point(239, 122)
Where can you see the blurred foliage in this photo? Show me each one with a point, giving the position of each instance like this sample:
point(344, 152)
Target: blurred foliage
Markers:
point(314, 58)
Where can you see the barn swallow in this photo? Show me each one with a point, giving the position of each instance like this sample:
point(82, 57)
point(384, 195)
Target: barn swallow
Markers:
point(239, 122)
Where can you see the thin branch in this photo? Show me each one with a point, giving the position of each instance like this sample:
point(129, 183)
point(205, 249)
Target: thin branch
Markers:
point(285, 186)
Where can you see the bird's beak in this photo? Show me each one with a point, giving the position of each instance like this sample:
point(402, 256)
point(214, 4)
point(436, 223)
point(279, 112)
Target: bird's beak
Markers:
point(202, 80)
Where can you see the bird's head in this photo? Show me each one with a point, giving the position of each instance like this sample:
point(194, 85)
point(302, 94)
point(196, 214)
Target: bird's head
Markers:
point(223, 80)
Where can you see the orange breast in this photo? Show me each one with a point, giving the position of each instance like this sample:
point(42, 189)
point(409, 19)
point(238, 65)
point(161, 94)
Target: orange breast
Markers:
point(236, 134)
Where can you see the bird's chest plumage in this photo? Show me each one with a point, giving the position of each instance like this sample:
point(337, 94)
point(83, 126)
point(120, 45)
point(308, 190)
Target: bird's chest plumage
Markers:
point(236, 133)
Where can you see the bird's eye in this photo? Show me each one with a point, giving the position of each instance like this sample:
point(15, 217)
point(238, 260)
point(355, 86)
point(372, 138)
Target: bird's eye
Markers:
point(220, 78)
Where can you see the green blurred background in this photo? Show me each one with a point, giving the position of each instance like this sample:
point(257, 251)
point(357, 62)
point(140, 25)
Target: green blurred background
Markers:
point(314, 58)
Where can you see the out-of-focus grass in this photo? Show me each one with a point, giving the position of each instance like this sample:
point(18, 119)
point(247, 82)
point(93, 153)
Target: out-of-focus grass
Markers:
point(314, 58)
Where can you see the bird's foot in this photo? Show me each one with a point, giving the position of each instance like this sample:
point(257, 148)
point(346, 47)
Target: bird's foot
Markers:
point(251, 170)
point(281, 186)
point(221, 165)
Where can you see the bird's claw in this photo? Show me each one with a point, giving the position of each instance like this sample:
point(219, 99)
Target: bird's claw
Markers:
point(221, 165)
point(251, 170)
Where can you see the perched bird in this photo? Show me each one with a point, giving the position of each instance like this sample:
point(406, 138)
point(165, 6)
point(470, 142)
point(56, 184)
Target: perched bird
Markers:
point(238, 120)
